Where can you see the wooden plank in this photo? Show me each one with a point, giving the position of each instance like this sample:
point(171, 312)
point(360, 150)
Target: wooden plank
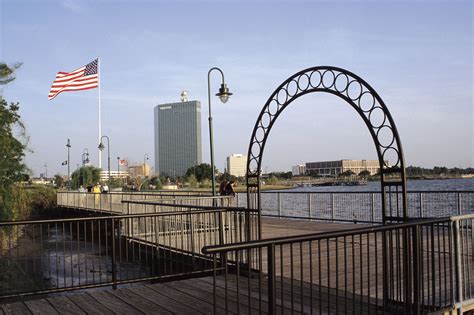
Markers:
point(202, 295)
point(168, 303)
point(40, 307)
point(201, 284)
point(138, 302)
point(89, 304)
point(114, 304)
point(204, 306)
point(65, 306)
point(17, 308)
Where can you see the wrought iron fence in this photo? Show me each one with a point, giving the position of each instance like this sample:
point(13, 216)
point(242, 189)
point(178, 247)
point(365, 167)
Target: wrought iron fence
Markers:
point(359, 206)
point(115, 202)
point(60, 255)
point(416, 267)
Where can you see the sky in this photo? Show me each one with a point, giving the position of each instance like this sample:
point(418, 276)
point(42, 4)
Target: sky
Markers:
point(417, 55)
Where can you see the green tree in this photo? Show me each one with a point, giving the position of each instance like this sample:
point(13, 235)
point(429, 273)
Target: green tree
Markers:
point(12, 143)
point(364, 173)
point(192, 180)
point(201, 171)
point(58, 180)
point(347, 173)
point(85, 176)
point(272, 180)
point(155, 181)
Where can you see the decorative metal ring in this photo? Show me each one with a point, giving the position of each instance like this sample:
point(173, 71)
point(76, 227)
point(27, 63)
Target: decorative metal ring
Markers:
point(386, 158)
point(346, 84)
point(372, 118)
point(283, 93)
point(317, 79)
point(361, 105)
point(333, 79)
point(301, 85)
point(391, 135)
point(288, 88)
point(348, 90)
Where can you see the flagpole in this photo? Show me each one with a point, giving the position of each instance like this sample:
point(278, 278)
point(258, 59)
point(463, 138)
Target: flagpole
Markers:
point(100, 127)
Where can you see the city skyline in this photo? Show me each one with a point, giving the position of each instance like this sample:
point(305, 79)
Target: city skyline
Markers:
point(417, 56)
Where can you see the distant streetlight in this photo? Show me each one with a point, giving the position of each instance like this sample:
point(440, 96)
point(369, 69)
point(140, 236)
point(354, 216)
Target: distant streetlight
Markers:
point(145, 158)
point(68, 145)
point(223, 95)
point(85, 157)
point(101, 147)
point(118, 165)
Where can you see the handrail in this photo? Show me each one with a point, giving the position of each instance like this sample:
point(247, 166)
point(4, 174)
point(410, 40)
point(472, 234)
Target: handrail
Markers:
point(133, 193)
point(319, 236)
point(358, 192)
point(126, 216)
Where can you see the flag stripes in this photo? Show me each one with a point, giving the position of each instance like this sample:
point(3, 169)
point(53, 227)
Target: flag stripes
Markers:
point(84, 78)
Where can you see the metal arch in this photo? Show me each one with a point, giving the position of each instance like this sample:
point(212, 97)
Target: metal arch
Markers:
point(368, 104)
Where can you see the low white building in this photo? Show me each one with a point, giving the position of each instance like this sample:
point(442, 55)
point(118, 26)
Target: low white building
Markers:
point(298, 170)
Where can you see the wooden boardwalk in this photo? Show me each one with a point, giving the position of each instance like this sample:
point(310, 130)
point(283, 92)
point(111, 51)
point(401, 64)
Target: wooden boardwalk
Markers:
point(191, 296)
point(317, 294)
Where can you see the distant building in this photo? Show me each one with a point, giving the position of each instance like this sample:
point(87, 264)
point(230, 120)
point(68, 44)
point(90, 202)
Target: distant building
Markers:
point(104, 175)
point(298, 170)
point(333, 168)
point(139, 170)
point(177, 137)
point(237, 165)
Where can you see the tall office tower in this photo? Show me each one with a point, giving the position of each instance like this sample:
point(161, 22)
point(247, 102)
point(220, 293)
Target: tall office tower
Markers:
point(237, 165)
point(177, 137)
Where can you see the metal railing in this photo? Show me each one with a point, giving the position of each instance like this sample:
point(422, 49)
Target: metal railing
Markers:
point(59, 255)
point(416, 267)
point(114, 202)
point(359, 206)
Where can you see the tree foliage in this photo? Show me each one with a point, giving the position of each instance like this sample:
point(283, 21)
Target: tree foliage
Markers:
point(201, 171)
point(85, 176)
point(13, 142)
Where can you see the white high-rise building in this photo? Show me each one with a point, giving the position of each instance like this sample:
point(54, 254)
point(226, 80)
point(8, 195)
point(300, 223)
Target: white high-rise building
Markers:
point(237, 165)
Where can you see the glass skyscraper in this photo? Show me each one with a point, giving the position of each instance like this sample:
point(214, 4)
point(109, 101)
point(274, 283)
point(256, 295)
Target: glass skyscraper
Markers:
point(177, 137)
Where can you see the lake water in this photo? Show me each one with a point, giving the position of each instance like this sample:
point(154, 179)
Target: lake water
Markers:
point(425, 198)
point(412, 185)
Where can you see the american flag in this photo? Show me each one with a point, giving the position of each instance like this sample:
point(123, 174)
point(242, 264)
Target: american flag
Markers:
point(84, 78)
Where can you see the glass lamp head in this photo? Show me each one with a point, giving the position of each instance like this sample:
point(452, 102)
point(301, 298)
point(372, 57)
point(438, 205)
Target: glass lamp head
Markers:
point(224, 93)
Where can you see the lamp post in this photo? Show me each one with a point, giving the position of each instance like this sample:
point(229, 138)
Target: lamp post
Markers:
point(223, 95)
point(145, 158)
point(118, 165)
point(85, 157)
point(68, 145)
point(101, 147)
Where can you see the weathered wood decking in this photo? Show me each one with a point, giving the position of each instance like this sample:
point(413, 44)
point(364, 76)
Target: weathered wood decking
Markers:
point(195, 296)
point(191, 296)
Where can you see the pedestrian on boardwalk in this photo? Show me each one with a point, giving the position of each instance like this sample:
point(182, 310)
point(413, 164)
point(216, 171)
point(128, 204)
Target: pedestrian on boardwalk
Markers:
point(229, 189)
point(96, 189)
point(222, 187)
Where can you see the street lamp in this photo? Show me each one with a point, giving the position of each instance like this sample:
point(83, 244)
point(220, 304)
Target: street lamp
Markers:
point(85, 157)
point(223, 95)
point(68, 145)
point(145, 158)
point(101, 147)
